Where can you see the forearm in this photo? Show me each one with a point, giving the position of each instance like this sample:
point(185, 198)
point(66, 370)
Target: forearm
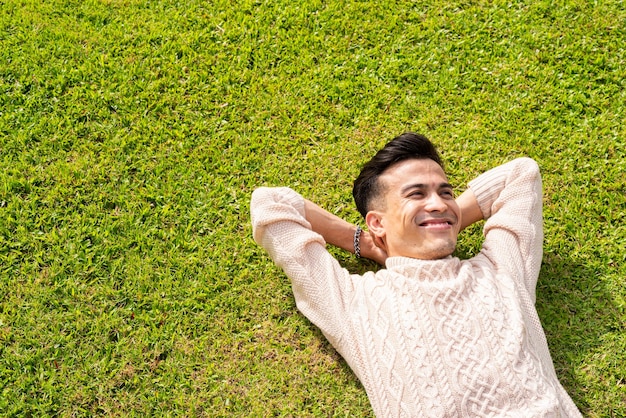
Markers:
point(340, 233)
point(470, 210)
point(335, 230)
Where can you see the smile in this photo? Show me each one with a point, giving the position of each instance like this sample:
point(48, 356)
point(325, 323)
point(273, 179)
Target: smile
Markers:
point(437, 224)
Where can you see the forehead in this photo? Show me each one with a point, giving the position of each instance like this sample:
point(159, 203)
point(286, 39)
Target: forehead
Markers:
point(414, 171)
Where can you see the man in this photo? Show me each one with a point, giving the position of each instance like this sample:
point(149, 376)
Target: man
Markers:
point(430, 335)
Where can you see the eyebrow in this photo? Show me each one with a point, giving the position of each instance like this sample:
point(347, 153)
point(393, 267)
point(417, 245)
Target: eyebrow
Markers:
point(405, 189)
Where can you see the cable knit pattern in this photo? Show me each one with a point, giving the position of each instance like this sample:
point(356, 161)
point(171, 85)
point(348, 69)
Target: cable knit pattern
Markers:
point(441, 338)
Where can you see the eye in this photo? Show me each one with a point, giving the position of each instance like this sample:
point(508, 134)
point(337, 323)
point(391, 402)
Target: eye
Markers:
point(447, 193)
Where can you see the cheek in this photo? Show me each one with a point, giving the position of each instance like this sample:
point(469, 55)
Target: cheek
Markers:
point(454, 208)
point(409, 213)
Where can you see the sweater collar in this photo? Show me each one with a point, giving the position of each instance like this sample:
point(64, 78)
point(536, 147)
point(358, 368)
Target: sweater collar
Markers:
point(424, 269)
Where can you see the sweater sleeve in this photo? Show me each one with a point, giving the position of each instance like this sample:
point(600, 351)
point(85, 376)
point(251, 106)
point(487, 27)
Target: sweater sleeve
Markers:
point(511, 201)
point(319, 283)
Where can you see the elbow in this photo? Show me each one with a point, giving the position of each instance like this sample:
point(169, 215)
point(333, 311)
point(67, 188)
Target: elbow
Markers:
point(529, 165)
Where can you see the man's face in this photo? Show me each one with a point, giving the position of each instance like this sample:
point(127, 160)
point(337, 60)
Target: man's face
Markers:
point(419, 217)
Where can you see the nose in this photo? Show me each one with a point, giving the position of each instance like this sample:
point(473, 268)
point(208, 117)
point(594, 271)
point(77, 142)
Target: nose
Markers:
point(435, 203)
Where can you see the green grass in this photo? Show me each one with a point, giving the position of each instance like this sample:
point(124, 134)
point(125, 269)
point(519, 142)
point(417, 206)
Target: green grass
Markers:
point(133, 132)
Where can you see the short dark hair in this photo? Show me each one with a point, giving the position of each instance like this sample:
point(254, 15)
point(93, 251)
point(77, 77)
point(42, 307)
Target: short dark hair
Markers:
point(406, 146)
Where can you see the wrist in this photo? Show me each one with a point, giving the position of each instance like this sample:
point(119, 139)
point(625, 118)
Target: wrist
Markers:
point(370, 250)
point(357, 241)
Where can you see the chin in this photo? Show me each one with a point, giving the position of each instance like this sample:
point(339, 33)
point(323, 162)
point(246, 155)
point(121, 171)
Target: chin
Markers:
point(439, 249)
point(441, 252)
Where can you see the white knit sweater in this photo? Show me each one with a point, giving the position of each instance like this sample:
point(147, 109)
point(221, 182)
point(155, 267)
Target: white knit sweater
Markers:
point(442, 338)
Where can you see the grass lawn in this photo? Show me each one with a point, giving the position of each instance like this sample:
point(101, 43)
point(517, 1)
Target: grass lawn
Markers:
point(132, 133)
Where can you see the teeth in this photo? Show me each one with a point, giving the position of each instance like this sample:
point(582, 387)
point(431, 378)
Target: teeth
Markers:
point(435, 223)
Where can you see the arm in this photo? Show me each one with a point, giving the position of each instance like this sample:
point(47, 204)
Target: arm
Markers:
point(509, 197)
point(321, 287)
point(340, 233)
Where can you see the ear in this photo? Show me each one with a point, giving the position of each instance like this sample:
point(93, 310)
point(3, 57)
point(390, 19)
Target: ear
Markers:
point(374, 221)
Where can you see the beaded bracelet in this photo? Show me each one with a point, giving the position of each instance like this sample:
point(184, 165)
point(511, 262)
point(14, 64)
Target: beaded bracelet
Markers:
point(357, 246)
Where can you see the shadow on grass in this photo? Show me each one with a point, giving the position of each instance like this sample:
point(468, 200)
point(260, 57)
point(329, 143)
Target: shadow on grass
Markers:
point(577, 312)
